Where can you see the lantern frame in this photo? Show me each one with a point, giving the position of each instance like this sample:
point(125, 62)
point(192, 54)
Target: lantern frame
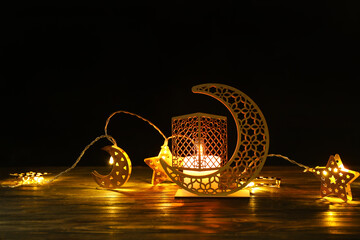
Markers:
point(199, 142)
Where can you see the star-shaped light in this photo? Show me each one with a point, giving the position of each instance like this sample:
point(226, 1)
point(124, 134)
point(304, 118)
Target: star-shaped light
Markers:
point(159, 174)
point(336, 179)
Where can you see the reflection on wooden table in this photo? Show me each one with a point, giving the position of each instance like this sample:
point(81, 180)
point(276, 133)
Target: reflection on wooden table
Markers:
point(74, 207)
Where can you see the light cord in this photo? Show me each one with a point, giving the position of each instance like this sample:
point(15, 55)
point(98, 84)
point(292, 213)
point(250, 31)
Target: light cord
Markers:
point(79, 158)
point(132, 114)
point(291, 161)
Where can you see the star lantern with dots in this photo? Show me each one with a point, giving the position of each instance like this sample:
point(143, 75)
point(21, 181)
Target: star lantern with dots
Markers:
point(159, 174)
point(336, 179)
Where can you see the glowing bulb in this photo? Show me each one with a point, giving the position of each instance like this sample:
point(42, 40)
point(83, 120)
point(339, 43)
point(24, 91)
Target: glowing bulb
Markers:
point(111, 161)
point(251, 184)
point(39, 180)
point(29, 178)
point(324, 173)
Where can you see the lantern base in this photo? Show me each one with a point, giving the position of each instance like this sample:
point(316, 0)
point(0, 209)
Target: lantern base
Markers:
point(182, 193)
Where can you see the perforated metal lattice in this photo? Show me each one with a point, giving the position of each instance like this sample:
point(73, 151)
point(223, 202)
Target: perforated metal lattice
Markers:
point(200, 141)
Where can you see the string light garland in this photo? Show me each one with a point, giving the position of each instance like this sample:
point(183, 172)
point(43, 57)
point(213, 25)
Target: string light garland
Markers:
point(122, 168)
point(32, 178)
point(335, 178)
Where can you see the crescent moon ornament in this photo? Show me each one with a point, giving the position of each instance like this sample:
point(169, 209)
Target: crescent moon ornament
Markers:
point(250, 152)
point(120, 172)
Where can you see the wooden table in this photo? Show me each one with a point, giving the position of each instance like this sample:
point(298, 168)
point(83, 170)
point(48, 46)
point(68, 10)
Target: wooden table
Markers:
point(73, 207)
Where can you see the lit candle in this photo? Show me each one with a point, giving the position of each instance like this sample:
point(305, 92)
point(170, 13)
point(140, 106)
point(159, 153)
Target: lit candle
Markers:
point(196, 164)
point(201, 161)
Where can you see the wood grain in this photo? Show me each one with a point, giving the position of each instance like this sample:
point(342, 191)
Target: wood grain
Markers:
point(74, 207)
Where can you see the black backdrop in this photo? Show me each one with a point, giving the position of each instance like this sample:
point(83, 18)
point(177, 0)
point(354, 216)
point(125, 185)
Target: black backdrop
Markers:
point(66, 68)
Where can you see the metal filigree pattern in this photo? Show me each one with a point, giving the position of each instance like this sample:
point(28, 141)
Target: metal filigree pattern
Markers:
point(250, 151)
point(121, 169)
point(201, 136)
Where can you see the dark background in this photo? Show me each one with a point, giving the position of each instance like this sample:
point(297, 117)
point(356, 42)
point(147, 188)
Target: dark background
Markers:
point(65, 69)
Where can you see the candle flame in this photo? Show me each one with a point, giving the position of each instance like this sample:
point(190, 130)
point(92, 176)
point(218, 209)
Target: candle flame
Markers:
point(201, 149)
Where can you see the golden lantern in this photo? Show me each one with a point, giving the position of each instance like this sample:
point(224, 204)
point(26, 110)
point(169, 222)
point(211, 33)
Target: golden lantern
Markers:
point(200, 143)
point(200, 165)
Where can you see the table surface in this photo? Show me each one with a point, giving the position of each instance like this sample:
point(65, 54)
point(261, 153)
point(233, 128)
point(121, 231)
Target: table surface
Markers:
point(74, 207)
